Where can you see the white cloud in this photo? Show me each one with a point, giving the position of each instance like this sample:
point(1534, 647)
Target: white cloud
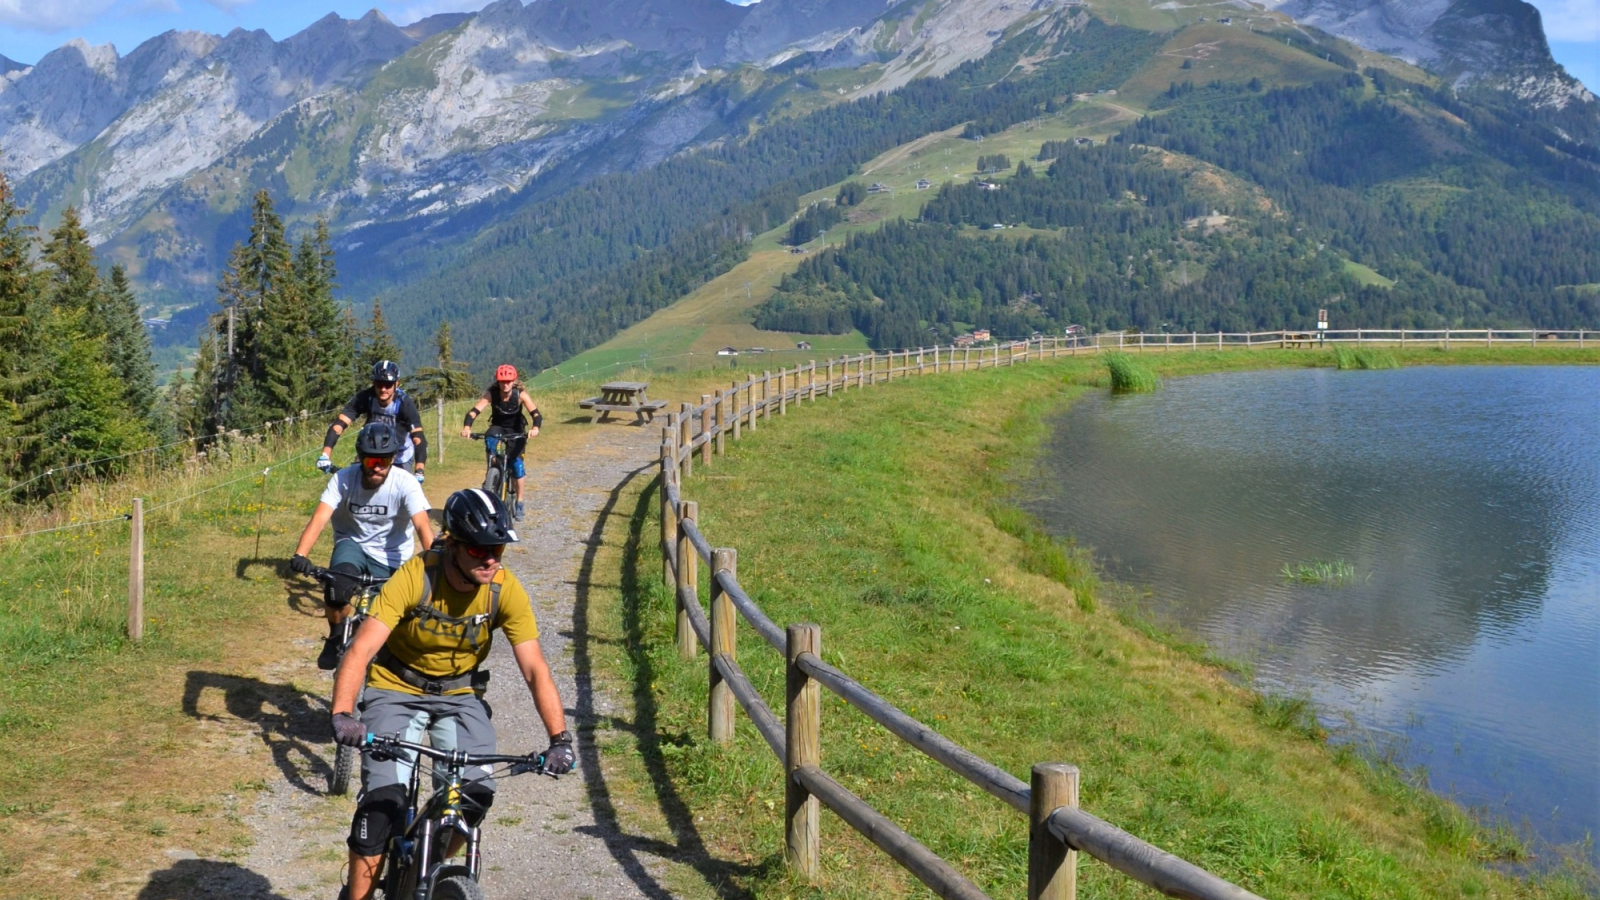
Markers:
point(51, 15)
point(1570, 20)
point(228, 5)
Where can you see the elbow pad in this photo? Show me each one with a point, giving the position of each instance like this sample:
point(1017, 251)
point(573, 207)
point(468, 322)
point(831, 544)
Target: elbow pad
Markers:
point(538, 419)
point(472, 416)
point(332, 437)
point(422, 446)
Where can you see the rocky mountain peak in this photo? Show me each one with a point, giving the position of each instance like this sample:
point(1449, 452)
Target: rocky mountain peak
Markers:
point(774, 24)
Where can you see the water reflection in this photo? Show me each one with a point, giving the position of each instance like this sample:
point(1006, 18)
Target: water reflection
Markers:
point(1468, 500)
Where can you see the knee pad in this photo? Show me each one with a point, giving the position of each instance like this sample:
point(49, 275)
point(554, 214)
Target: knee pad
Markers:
point(518, 470)
point(377, 812)
point(345, 585)
point(476, 800)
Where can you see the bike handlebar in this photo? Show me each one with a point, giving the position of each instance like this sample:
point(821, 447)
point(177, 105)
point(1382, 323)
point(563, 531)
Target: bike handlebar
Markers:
point(501, 437)
point(456, 758)
point(324, 575)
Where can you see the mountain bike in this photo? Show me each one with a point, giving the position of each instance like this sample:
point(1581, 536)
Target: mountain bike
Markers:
point(497, 478)
point(344, 758)
point(415, 866)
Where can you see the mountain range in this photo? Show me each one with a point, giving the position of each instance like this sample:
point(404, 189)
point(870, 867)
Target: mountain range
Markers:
point(414, 141)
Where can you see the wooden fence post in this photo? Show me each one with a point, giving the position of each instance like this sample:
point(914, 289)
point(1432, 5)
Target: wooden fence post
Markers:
point(783, 391)
point(688, 580)
point(738, 412)
point(669, 516)
point(441, 430)
point(136, 571)
point(830, 377)
point(705, 428)
point(844, 374)
point(754, 409)
point(802, 812)
point(1052, 867)
point(686, 439)
point(722, 419)
point(811, 380)
point(724, 641)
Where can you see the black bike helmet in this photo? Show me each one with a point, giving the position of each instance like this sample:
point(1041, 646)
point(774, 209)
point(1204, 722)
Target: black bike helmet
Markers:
point(377, 439)
point(385, 370)
point(477, 517)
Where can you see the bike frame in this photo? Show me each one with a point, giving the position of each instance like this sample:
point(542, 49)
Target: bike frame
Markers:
point(409, 869)
point(500, 460)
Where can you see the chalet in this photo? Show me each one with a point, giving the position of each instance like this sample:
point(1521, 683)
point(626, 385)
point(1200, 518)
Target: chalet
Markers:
point(923, 184)
point(803, 345)
point(989, 185)
point(980, 334)
point(963, 340)
point(727, 351)
point(1083, 142)
point(877, 187)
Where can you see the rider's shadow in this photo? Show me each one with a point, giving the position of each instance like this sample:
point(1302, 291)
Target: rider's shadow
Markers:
point(291, 722)
point(191, 879)
point(304, 596)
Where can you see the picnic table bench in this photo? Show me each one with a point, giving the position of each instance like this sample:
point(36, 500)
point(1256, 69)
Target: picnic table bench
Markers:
point(623, 396)
point(1298, 339)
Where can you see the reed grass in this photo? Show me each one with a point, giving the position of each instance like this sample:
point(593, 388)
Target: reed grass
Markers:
point(1325, 572)
point(1363, 358)
point(1130, 376)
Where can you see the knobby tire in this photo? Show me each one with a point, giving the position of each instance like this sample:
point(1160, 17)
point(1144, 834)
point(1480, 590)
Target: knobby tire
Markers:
point(457, 887)
point(345, 761)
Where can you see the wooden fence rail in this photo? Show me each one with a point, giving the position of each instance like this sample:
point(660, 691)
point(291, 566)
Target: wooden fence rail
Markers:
point(1058, 829)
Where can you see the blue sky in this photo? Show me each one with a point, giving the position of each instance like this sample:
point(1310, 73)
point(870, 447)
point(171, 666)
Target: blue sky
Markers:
point(31, 28)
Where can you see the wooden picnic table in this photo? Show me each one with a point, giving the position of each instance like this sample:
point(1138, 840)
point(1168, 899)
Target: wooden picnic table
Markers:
point(623, 396)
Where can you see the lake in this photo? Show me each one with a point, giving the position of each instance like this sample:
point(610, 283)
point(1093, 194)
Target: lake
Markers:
point(1466, 499)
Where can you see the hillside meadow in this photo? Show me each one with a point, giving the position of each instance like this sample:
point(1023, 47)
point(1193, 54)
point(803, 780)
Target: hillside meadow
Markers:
point(882, 516)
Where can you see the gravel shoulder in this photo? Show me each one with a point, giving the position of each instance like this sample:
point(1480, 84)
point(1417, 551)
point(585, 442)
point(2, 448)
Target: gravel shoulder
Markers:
point(544, 837)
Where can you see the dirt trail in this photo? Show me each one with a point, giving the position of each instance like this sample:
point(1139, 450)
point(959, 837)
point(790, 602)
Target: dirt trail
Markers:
point(544, 837)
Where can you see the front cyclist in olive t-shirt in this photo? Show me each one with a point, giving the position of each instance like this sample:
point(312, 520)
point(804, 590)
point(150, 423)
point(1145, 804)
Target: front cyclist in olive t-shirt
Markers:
point(426, 640)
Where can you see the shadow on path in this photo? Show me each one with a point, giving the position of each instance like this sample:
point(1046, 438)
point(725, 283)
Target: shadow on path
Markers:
point(687, 846)
point(291, 722)
point(202, 879)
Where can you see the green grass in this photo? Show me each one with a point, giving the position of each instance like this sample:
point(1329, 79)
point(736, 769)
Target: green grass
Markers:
point(1366, 275)
point(1129, 375)
point(1363, 358)
point(879, 515)
point(1328, 573)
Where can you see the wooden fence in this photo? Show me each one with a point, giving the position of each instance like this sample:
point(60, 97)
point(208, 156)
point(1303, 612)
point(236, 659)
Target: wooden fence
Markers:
point(1443, 338)
point(1059, 829)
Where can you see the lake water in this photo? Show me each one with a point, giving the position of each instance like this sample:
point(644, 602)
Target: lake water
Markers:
point(1468, 501)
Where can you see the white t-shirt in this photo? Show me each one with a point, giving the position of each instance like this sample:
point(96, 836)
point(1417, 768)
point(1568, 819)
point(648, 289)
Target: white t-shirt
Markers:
point(378, 520)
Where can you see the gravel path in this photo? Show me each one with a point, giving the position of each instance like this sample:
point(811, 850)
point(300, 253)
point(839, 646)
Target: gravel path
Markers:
point(544, 838)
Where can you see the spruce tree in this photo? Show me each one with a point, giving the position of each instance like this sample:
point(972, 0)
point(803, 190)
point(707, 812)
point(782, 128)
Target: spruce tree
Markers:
point(20, 290)
point(73, 281)
point(449, 380)
point(376, 342)
point(128, 345)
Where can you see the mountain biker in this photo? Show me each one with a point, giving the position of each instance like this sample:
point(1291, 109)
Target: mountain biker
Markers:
point(506, 401)
point(426, 640)
point(383, 402)
point(375, 508)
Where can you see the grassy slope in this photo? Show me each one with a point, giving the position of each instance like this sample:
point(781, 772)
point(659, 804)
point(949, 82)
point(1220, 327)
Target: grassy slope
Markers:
point(875, 516)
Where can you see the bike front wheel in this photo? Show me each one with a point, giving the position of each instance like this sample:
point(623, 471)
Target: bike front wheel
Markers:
point(457, 887)
point(491, 481)
point(344, 765)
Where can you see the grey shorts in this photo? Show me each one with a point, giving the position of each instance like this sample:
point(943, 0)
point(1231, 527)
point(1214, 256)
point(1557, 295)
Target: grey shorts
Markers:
point(452, 722)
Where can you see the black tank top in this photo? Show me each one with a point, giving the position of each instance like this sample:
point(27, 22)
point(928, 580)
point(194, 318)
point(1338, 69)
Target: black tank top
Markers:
point(507, 414)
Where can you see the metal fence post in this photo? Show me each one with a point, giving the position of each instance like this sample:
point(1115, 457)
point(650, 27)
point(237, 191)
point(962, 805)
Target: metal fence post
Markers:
point(802, 847)
point(721, 704)
point(1052, 866)
point(136, 571)
point(688, 584)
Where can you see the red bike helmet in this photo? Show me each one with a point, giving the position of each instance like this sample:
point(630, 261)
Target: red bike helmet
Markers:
point(506, 373)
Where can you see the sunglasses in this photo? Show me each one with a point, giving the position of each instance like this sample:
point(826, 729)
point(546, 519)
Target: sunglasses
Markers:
point(383, 384)
point(491, 551)
point(377, 462)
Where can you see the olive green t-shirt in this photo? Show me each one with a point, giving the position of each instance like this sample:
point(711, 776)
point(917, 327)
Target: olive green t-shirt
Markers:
point(442, 652)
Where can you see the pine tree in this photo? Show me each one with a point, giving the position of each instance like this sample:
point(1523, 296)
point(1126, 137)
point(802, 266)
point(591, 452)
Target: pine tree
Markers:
point(74, 283)
point(20, 289)
point(449, 380)
point(252, 289)
point(128, 345)
point(334, 339)
point(376, 342)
